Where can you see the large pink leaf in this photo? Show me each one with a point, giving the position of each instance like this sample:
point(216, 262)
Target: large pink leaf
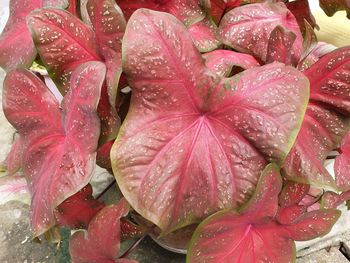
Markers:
point(59, 148)
point(16, 46)
point(102, 242)
point(193, 143)
point(222, 61)
point(330, 7)
point(326, 119)
point(187, 11)
point(252, 235)
point(342, 165)
point(248, 28)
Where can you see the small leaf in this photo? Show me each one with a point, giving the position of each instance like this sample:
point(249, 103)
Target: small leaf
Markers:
point(222, 61)
point(330, 7)
point(292, 193)
point(13, 160)
point(102, 242)
point(14, 187)
point(280, 45)
point(59, 148)
point(301, 10)
point(248, 28)
point(78, 210)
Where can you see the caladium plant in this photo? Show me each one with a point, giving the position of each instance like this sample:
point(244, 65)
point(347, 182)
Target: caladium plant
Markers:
point(216, 113)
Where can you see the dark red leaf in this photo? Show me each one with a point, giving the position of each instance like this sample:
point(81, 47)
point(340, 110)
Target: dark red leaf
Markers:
point(330, 7)
point(59, 146)
point(184, 120)
point(301, 10)
point(78, 210)
point(280, 46)
point(292, 193)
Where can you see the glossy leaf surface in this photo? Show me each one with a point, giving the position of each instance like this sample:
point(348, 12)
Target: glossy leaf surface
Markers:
point(59, 147)
point(193, 143)
point(248, 28)
point(253, 235)
point(101, 244)
point(326, 119)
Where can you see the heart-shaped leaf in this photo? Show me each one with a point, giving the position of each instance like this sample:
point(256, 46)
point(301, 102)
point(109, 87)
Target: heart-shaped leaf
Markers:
point(253, 235)
point(247, 28)
point(326, 120)
point(222, 61)
point(342, 165)
point(59, 148)
point(101, 244)
point(193, 143)
point(78, 210)
point(330, 7)
point(16, 45)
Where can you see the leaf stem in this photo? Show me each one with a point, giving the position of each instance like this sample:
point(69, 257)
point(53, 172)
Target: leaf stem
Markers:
point(104, 191)
point(132, 247)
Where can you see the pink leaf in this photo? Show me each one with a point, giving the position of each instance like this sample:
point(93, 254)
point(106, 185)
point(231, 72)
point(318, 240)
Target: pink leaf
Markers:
point(14, 187)
point(250, 236)
point(292, 193)
point(13, 160)
point(16, 46)
point(280, 46)
point(248, 28)
point(325, 122)
point(313, 224)
point(102, 242)
point(78, 210)
point(222, 61)
point(333, 200)
point(342, 165)
point(330, 7)
point(203, 34)
point(193, 143)
point(55, 27)
point(59, 148)
point(187, 11)
point(109, 25)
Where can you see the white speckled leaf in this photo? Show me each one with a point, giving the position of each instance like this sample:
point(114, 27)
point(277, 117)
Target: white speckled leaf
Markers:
point(193, 143)
point(248, 28)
